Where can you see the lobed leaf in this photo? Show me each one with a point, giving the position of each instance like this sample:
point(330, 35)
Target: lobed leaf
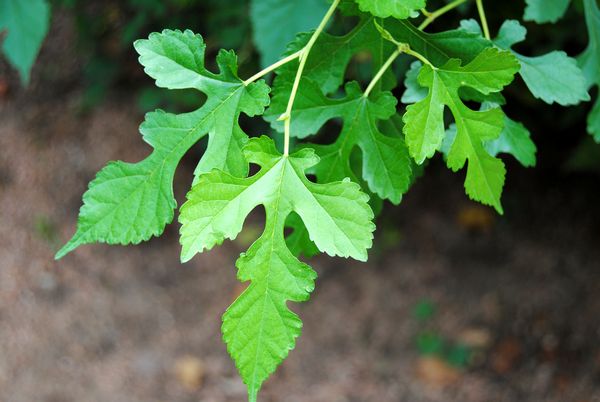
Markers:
point(424, 126)
point(258, 328)
point(128, 203)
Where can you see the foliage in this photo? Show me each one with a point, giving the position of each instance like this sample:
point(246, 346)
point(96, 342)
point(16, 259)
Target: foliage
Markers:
point(325, 191)
point(26, 25)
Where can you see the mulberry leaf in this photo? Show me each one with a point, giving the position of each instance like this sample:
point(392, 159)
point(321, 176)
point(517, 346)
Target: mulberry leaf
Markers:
point(258, 327)
point(129, 203)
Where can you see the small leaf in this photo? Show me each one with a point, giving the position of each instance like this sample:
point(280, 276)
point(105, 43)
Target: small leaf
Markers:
point(27, 23)
point(259, 328)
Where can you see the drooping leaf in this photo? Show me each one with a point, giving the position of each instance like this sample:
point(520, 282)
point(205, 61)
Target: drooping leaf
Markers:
point(553, 77)
point(259, 328)
point(542, 11)
point(400, 9)
point(26, 23)
point(424, 126)
point(590, 62)
point(129, 203)
point(276, 22)
point(514, 139)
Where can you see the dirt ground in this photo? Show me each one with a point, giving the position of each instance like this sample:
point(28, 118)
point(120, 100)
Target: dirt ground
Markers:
point(520, 292)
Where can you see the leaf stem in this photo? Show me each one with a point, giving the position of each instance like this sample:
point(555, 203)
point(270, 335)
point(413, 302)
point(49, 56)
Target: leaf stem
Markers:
point(304, 53)
point(382, 71)
point(272, 67)
point(402, 48)
point(484, 24)
point(432, 16)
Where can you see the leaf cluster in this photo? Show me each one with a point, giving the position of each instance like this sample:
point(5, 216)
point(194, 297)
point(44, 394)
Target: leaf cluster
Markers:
point(355, 146)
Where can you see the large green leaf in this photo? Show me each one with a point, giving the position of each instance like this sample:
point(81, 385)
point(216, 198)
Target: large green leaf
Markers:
point(424, 126)
point(400, 9)
point(590, 62)
point(276, 22)
point(542, 11)
point(26, 23)
point(129, 203)
point(259, 328)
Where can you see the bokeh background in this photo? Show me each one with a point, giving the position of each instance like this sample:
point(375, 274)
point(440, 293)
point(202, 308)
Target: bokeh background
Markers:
point(455, 304)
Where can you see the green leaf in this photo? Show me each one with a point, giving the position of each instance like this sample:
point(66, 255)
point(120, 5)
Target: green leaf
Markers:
point(514, 140)
point(129, 203)
point(259, 328)
point(27, 24)
point(542, 11)
point(424, 127)
point(439, 47)
point(400, 9)
point(330, 56)
point(590, 62)
point(276, 22)
point(553, 77)
point(386, 166)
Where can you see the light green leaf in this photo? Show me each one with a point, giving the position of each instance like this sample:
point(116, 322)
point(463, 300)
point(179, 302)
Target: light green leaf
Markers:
point(276, 22)
point(259, 328)
point(542, 11)
point(400, 9)
point(424, 126)
point(129, 203)
point(26, 23)
point(515, 138)
point(590, 62)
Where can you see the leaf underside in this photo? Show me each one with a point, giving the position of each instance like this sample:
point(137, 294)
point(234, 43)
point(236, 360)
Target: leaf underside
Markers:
point(258, 328)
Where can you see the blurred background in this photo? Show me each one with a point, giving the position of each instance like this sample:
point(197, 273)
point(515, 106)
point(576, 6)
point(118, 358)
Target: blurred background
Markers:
point(455, 304)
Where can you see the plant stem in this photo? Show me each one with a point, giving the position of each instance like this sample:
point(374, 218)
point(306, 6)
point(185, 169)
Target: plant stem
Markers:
point(273, 67)
point(432, 16)
point(382, 71)
point(304, 53)
point(484, 24)
point(402, 48)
